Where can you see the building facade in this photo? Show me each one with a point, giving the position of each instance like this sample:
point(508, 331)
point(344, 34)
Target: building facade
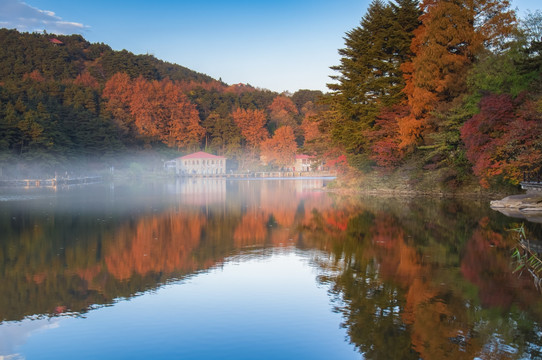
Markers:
point(305, 163)
point(199, 163)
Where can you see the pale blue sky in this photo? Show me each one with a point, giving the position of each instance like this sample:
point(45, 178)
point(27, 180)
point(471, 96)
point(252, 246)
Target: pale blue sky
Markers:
point(278, 45)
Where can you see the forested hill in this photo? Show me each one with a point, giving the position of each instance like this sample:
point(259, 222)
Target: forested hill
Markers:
point(66, 101)
point(22, 53)
point(447, 92)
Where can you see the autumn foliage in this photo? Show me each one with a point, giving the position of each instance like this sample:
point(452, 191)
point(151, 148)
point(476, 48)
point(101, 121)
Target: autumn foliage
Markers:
point(412, 77)
point(386, 148)
point(62, 104)
point(282, 111)
point(445, 46)
point(86, 79)
point(504, 138)
point(157, 244)
point(252, 125)
point(155, 109)
point(310, 127)
point(281, 148)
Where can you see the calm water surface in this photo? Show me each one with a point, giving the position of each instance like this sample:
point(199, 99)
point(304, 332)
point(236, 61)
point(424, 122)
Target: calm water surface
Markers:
point(276, 269)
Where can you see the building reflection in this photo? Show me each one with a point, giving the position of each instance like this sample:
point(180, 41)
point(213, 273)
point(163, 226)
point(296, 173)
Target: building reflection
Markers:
point(199, 191)
point(413, 279)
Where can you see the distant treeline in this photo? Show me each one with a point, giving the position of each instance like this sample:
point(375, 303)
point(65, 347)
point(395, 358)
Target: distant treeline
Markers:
point(440, 89)
point(63, 99)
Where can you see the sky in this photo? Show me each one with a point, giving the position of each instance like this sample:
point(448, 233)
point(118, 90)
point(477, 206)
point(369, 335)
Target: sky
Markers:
point(280, 45)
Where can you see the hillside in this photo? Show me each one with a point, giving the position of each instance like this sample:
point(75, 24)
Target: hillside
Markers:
point(65, 102)
point(22, 53)
point(405, 105)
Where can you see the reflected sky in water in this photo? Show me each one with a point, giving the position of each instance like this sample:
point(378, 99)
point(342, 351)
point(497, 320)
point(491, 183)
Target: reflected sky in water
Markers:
point(264, 307)
point(215, 268)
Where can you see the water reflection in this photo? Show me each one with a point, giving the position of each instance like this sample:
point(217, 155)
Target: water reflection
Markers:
point(434, 284)
point(412, 278)
point(15, 334)
point(94, 245)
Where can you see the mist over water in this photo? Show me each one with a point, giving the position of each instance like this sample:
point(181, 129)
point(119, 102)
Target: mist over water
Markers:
point(208, 268)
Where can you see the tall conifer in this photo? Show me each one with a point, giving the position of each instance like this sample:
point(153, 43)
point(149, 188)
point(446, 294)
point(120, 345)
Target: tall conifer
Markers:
point(370, 76)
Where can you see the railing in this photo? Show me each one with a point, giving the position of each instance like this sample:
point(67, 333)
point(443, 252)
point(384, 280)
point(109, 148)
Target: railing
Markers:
point(532, 181)
point(51, 182)
point(267, 174)
point(533, 177)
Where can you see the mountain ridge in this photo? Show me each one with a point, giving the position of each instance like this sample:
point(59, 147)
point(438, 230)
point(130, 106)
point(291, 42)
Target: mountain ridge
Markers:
point(22, 53)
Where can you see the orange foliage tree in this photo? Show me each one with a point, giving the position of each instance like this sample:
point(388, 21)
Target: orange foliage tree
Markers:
point(252, 125)
point(310, 127)
point(118, 92)
point(35, 75)
point(444, 46)
point(85, 79)
point(155, 109)
point(282, 112)
point(281, 148)
point(161, 110)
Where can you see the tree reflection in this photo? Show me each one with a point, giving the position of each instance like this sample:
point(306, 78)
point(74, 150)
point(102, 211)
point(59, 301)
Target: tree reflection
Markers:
point(402, 293)
point(159, 244)
point(413, 278)
point(66, 263)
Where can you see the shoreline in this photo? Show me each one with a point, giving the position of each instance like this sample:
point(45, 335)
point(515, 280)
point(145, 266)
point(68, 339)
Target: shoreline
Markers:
point(412, 193)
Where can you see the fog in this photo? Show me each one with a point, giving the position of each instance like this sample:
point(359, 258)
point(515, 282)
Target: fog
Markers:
point(88, 166)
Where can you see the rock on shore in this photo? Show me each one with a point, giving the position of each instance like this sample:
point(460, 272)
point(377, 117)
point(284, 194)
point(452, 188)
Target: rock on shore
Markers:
point(527, 206)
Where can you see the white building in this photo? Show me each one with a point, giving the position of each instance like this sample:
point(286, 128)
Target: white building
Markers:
point(305, 163)
point(200, 163)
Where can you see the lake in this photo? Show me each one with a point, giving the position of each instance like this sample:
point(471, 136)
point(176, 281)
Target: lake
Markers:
point(259, 269)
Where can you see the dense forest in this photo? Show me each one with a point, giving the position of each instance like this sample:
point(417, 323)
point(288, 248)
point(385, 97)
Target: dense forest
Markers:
point(438, 89)
point(68, 104)
point(447, 88)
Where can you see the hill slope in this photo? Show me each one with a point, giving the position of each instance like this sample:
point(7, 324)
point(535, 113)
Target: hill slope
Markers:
point(66, 101)
point(22, 53)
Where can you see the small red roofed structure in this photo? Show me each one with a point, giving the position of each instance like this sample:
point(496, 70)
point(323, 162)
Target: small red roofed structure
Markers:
point(199, 163)
point(56, 41)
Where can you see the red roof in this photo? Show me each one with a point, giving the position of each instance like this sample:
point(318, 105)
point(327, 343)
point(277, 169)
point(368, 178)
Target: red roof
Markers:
point(201, 155)
point(303, 156)
point(56, 41)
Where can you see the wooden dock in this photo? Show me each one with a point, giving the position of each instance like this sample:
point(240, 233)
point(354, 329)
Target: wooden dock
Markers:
point(51, 182)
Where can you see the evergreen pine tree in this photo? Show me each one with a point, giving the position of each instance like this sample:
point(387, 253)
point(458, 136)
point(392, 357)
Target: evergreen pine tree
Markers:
point(370, 76)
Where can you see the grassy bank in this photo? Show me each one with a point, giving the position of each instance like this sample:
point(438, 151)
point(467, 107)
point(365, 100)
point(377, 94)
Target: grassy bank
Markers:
point(409, 179)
